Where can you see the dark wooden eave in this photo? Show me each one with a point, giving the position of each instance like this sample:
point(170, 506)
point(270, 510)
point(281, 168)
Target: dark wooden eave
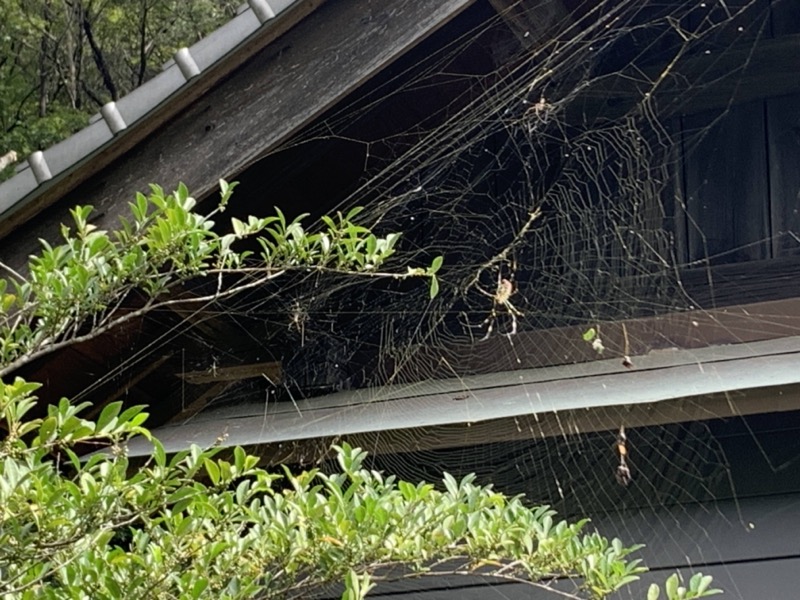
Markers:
point(223, 130)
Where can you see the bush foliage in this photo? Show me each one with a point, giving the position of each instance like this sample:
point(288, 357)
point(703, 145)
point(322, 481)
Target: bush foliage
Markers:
point(209, 523)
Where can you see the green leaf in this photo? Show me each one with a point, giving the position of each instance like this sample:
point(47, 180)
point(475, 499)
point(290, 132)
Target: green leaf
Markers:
point(671, 586)
point(589, 334)
point(434, 287)
point(213, 471)
point(436, 264)
point(46, 429)
point(239, 227)
point(653, 592)
point(109, 413)
point(200, 585)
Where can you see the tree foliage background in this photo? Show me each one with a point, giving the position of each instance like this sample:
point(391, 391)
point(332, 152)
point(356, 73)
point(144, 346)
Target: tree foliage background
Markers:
point(61, 60)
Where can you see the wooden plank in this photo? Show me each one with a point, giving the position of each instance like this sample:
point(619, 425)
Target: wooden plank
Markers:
point(771, 578)
point(729, 285)
point(783, 138)
point(271, 370)
point(785, 16)
point(564, 345)
point(675, 193)
point(740, 73)
point(196, 405)
point(279, 90)
point(726, 185)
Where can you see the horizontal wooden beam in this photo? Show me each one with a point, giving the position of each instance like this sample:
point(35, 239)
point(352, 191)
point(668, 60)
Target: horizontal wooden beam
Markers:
point(746, 71)
point(269, 370)
point(687, 329)
point(757, 280)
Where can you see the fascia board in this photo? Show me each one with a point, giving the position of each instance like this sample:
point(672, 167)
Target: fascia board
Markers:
point(661, 377)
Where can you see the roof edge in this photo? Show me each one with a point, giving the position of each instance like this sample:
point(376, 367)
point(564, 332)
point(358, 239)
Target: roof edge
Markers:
point(48, 175)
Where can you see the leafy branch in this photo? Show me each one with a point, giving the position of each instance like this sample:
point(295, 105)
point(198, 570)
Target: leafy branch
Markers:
point(201, 524)
point(89, 283)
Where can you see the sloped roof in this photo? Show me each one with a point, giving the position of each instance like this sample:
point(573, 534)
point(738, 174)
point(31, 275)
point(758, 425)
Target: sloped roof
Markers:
point(117, 119)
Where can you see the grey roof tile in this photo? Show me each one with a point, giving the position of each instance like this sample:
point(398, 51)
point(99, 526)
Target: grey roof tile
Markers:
point(278, 6)
point(76, 147)
point(221, 41)
point(14, 189)
point(145, 98)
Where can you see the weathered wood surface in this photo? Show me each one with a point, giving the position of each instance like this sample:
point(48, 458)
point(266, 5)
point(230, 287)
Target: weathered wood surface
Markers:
point(742, 72)
point(565, 345)
point(783, 139)
point(785, 17)
point(732, 284)
point(279, 90)
point(726, 185)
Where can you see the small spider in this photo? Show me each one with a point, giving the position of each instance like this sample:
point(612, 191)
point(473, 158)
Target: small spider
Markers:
point(500, 299)
point(298, 321)
point(540, 110)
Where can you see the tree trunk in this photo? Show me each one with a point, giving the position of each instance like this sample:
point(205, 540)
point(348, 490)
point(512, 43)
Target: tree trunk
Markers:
point(44, 45)
point(99, 59)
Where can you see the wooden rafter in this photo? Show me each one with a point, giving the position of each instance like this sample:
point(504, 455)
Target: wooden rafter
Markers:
point(199, 403)
point(270, 370)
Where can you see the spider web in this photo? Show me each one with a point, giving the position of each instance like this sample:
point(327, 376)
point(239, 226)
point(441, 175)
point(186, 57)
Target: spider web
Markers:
point(556, 187)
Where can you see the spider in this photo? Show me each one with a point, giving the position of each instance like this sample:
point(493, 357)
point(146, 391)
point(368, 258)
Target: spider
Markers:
point(501, 298)
point(298, 321)
point(623, 471)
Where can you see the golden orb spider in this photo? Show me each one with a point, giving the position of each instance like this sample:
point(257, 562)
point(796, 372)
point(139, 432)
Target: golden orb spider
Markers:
point(501, 300)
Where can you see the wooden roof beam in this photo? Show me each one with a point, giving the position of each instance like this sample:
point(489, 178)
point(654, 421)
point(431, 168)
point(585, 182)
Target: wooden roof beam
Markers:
point(269, 370)
point(746, 71)
point(211, 393)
